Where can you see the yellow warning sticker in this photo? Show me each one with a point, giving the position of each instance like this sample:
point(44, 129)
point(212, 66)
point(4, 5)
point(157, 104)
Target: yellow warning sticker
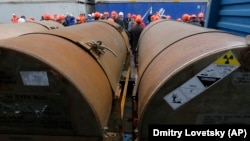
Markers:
point(203, 80)
point(227, 59)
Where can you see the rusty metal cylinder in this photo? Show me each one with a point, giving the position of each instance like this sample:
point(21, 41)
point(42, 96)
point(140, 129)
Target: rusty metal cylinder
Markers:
point(191, 75)
point(12, 30)
point(61, 83)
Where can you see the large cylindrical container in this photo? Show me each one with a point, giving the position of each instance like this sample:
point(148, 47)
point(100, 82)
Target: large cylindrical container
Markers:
point(191, 75)
point(12, 30)
point(60, 84)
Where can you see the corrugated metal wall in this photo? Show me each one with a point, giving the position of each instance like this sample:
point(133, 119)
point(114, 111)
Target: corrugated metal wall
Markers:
point(175, 9)
point(112, 1)
point(230, 15)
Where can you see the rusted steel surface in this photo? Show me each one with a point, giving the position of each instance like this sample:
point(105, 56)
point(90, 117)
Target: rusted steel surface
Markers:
point(12, 30)
point(75, 84)
point(6, 137)
point(113, 40)
point(172, 53)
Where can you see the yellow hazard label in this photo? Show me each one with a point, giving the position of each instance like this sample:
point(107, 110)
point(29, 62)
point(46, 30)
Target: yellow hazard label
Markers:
point(227, 59)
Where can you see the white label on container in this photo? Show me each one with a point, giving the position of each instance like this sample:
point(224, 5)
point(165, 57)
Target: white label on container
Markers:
point(209, 76)
point(35, 78)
